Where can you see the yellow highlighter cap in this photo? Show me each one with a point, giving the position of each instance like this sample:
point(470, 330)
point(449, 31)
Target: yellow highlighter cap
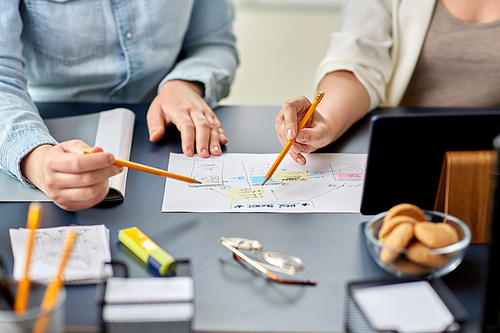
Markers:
point(132, 238)
point(147, 250)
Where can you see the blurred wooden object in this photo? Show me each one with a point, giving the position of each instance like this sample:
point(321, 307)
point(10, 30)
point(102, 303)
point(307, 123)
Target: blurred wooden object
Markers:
point(465, 189)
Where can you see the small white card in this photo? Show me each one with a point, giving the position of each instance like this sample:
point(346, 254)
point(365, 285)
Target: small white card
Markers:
point(404, 307)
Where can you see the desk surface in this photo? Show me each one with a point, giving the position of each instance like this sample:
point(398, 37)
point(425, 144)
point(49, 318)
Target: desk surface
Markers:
point(227, 296)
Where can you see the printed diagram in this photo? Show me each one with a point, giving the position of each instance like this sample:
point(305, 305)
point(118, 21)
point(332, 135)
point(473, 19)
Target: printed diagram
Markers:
point(233, 182)
point(208, 172)
point(89, 252)
point(49, 247)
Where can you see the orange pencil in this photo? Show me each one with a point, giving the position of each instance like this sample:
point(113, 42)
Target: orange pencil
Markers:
point(24, 285)
point(50, 296)
point(154, 171)
point(291, 142)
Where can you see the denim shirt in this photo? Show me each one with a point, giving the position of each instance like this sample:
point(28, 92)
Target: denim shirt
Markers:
point(103, 51)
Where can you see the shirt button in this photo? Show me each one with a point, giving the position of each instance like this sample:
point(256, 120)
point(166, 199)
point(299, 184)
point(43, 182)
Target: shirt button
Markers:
point(128, 34)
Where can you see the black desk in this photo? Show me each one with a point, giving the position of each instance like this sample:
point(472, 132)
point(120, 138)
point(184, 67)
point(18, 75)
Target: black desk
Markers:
point(229, 297)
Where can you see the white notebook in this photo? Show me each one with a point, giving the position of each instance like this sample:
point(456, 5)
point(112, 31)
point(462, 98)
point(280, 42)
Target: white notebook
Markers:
point(111, 130)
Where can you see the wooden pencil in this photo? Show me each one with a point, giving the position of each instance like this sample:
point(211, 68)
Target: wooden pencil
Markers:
point(291, 142)
point(24, 285)
point(148, 169)
point(53, 288)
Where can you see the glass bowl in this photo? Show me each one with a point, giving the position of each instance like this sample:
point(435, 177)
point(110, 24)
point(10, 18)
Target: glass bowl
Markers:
point(449, 257)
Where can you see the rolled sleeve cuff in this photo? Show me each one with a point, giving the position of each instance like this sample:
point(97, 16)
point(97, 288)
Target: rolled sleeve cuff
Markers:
point(376, 96)
point(20, 144)
point(205, 79)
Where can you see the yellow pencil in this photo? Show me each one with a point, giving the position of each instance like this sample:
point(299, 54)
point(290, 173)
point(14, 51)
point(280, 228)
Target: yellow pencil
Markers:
point(24, 285)
point(291, 142)
point(50, 296)
point(155, 171)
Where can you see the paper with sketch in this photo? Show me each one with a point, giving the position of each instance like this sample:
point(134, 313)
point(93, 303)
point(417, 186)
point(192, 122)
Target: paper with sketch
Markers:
point(111, 130)
point(85, 264)
point(233, 183)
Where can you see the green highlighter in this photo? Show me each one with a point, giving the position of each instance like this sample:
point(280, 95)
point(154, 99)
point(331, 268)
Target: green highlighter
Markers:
point(147, 250)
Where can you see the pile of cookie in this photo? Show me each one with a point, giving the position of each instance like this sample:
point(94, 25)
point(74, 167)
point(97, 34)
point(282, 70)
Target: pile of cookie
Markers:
point(405, 227)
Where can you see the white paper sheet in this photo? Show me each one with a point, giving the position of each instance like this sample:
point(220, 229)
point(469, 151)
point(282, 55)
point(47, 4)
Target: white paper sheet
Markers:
point(85, 264)
point(404, 307)
point(334, 184)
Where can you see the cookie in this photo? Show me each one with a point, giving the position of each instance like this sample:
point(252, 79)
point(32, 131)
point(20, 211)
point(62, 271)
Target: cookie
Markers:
point(451, 230)
point(400, 237)
point(417, 253)
point(406, 266)
point(405, 209)
point(435, 235)
point(390, 224)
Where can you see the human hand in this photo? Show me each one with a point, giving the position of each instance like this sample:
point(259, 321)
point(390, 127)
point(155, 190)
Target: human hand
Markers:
point(181, 103)
point(317, 133)
point(72, 180)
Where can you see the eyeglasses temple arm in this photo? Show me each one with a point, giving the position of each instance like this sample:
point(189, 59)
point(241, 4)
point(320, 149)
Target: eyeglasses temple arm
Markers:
point(247, 259)
point(265, 271)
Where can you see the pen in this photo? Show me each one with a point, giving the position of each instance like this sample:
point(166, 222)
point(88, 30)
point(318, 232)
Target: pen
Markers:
point(50, 296)
point(23, 286)
point(291, 142)
point(155, 171)
point(147, 250)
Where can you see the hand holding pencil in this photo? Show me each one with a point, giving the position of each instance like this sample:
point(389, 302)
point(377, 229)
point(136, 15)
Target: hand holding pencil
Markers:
point(317, 133)
point(154, 171)
point(72, 181)
point(286, 120)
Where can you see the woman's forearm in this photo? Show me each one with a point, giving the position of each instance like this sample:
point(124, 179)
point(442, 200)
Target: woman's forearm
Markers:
point(345, 102)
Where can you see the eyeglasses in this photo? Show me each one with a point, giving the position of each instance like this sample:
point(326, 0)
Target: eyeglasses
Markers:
point(278, 262)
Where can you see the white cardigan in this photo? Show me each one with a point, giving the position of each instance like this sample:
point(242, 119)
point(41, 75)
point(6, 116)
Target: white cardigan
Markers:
point(380, 42)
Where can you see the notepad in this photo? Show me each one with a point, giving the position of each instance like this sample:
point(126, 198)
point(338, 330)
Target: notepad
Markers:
point(86, 262)
point(149, 299)
point(111, 130)
point(245, 193)
point(403, 307)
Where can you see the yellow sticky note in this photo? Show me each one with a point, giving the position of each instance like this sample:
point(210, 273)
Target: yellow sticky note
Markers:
point(245, 193)
point(209, 181)
point(290, 176)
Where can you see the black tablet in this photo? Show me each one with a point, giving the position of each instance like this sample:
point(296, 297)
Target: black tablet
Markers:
point(406, 152)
